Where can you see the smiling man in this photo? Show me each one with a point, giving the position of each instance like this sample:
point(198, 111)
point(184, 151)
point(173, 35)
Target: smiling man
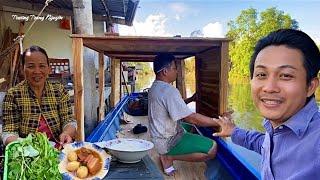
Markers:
point(284, 70)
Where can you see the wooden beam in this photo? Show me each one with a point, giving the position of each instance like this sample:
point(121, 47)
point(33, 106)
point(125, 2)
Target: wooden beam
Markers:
point(77, 50)
point(224, 70)
point(115, 81)
point(197, 66)
point(101, 86)
point(194, 41)
point(139, 58)
point(181, 78)
point(151, 53)
point(135, 59)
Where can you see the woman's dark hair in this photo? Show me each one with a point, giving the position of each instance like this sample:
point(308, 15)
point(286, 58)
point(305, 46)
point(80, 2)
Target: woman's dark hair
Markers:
point(294, 39)
point(34, 49)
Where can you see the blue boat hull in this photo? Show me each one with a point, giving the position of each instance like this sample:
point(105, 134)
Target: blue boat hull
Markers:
point(235, 165)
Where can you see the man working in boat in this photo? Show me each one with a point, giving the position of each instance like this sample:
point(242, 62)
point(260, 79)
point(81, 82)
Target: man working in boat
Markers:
point(37, 105)
point(166, 109)
point(284, 69)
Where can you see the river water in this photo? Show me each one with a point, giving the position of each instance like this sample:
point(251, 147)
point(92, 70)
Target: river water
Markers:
point(239, 99)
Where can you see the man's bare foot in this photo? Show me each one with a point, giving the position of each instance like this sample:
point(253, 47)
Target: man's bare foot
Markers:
point(167, 165)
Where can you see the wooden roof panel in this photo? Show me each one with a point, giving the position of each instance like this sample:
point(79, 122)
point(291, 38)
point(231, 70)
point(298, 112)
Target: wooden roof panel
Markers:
point(142, 48)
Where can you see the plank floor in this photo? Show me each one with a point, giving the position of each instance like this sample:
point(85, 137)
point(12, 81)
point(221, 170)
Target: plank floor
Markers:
point(185, 170)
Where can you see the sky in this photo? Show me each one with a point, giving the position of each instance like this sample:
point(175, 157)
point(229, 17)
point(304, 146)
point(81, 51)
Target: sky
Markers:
point(182, 17)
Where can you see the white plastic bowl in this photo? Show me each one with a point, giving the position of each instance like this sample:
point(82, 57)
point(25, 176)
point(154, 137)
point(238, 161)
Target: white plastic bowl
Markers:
point(129, 150)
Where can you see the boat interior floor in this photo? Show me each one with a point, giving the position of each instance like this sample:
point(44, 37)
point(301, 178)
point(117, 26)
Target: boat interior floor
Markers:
point(185, 170)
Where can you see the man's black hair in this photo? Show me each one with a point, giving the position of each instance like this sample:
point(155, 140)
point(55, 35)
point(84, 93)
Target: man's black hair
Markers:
point(161, 61)
point(294, 39)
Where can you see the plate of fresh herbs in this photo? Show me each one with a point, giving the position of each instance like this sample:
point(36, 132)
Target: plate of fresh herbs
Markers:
point(31, 158)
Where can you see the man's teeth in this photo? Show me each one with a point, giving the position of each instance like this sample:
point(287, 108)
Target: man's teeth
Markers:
point(271, 102)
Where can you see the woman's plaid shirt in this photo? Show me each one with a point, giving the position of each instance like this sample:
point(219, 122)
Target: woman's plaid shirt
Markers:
point(21, 109)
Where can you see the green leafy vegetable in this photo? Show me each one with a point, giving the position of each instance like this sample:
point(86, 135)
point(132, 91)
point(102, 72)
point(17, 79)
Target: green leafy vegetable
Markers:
point(30, 151)
point(33, 158)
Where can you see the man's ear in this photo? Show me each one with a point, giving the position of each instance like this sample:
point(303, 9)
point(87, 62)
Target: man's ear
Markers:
point(313, 86)
point(165, 71)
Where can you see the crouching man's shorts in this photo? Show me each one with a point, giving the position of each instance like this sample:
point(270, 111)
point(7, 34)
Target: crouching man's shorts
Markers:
point(191, 143)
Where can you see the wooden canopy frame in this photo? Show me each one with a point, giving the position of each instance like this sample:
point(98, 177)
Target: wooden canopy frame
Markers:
point(130, 48)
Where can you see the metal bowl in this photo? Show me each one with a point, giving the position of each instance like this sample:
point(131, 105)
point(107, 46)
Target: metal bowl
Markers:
point(129, 150)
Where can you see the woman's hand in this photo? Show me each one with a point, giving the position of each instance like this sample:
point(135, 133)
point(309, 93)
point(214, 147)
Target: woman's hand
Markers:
point(68, 133)
point(226, 126)
point(11, 139)
point(65, 138)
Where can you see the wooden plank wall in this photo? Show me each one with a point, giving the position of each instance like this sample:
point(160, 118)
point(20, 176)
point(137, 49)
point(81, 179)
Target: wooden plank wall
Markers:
point(208, 81)
point(224, 66)
point(181, 85)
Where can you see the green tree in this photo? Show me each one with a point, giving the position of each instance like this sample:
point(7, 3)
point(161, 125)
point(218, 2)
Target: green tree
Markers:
point(143, 67)
point(247, 29)
point(190, 65)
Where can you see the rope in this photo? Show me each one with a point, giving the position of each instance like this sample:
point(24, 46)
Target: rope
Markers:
point(20, 38)
point(7, 50)
point(44, 7)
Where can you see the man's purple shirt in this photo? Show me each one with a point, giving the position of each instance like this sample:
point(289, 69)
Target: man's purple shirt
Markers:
point(292, 150)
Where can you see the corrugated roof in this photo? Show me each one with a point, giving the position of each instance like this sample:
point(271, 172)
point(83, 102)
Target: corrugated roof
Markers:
point(120, 11)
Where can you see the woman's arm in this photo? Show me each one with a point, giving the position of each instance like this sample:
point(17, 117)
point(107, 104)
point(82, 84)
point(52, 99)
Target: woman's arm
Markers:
point(8, 138)
point(11, 118)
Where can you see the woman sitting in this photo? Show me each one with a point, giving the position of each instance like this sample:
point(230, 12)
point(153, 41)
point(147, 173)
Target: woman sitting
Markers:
point(37, 105)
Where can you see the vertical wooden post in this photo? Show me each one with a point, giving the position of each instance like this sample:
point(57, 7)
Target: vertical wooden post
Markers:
point(115, 81)
point(15, 63)
point(224, 70)
point(83, 24)
point(101, 86)
point(181, 78)
point(196, 73)
point(77, 49)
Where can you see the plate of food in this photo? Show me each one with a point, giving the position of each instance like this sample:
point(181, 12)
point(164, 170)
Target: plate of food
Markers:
point(84, 160)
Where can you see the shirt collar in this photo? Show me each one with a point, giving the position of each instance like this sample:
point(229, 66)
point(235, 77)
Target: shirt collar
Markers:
point(267, 126)
point(27, 85)
point(159, 81)
point(300, 121)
